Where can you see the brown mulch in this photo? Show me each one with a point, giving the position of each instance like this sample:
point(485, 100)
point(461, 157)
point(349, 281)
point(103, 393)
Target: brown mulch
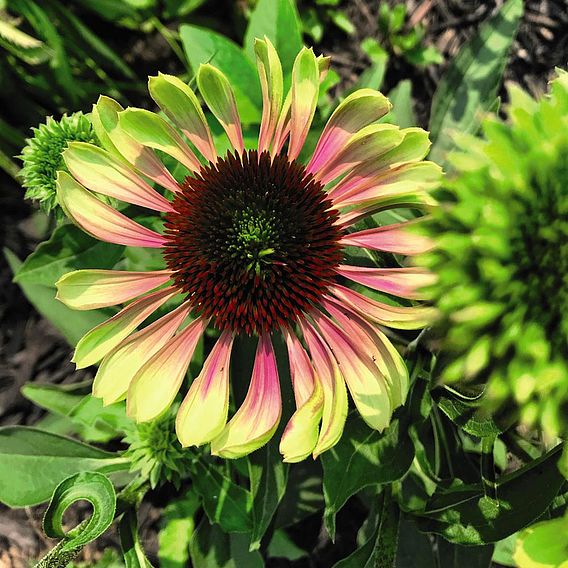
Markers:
point(31, 350)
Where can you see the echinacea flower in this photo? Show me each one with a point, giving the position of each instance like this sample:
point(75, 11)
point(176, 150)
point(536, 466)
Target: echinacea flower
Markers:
point(42, 155)
point(502, 261)
point(254, 244)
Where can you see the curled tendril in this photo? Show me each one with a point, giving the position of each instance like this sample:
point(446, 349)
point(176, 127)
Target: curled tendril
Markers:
point(93, 487)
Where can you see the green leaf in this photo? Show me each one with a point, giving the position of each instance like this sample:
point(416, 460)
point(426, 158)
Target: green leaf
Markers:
point(464, 515)
point(268, 477)
point(205, 46)
point(93, 421)
point(33, 463)
point(402, 112)
point(282, 546)
point(469, 87)
point(78, 34)
point(71, 323)
point(132, 551)
point(414, 548)
point(340, 19)
point(363, 457)
point(225, 502)
point(543, 545)
point(212, 548)
point(380, 549)
point(503, 552)
point(469, 417)
point(303, 496)
point(177, 531)
point(455, 556)
point(279, 21)
point(27, 48)
point(85, 486)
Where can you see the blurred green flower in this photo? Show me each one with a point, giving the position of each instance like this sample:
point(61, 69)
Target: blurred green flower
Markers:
point(155, 452)
point(502, 261)
point(42, 155)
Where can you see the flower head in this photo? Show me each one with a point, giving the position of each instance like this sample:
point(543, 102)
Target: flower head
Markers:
point(42, 155)
point(502, 260)
point(254, 243)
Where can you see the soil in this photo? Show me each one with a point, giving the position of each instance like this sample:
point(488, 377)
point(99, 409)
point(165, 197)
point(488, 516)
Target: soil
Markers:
point(31, 350)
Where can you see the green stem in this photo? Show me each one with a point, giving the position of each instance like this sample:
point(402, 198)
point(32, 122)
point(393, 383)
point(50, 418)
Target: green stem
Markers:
point(389, 523)
point(488, 466)
point(171, 38)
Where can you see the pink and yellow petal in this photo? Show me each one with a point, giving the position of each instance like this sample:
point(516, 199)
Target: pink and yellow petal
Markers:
point(99, 219)
point(358, 189)
point(256, 420)
point(305, 90)
point(101, 172)
point(413, 148)
point(358, 110)
point(217, 92)
point(283, 125)
point(91, 289)
point(272, 86)
point(300, 437)
point(399, 238)
point(386, 358)
point(153, 131)
point(302, 431)
point(402, 282)
point(101, 340)
point(364, 380)
point(422, 201)
point(396, 317)
point(367, 144)
point(335, 403)
point(119, 367)
point(204, 410)
point(157, 382)
point(180, 104)
point(113, 138)
point(301, 369)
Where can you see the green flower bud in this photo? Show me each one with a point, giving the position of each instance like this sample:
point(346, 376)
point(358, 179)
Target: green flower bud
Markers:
point(42, 155)
point(156, 453)
point(502, 261)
